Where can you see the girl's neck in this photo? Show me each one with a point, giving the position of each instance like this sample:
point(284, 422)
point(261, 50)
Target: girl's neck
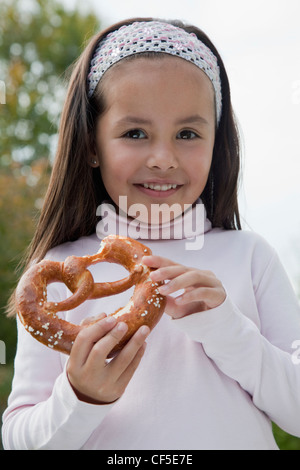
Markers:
point(192, 223)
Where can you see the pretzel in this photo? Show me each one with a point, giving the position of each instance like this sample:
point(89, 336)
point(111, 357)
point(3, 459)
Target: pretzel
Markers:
point(40, 317)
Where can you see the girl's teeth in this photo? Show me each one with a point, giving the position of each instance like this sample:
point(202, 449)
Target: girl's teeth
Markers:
point(158, 187)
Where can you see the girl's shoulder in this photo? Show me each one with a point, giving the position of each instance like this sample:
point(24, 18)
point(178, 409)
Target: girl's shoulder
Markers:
point(87, 245)
point(245, 236)
point(243, 243)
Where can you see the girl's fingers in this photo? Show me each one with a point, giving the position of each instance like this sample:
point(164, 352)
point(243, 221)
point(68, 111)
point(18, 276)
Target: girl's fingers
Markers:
point(185, 279)
point(104, 346)
point(168, 272)
point(128, 353)
point(157, 261)
point(211, 298)
point(87, 338)
point(89, 320)
point(126, 376)
point(97, 379)
point(175, 310)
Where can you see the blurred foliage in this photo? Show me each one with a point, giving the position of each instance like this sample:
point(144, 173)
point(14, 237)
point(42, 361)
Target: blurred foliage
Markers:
point(39, 40)
point(21, 192)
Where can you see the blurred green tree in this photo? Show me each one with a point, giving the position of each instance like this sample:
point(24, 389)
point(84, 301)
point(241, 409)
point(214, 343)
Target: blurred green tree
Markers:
point(39, 41)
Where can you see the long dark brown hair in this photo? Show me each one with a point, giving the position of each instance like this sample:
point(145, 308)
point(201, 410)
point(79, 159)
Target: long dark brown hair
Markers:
point(76, 189)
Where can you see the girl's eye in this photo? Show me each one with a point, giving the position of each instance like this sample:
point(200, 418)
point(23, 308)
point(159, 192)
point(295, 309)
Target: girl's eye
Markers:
point(135, 134)
point(187, 135)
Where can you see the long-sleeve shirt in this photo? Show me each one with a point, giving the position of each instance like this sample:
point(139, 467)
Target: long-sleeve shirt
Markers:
point(211, 380)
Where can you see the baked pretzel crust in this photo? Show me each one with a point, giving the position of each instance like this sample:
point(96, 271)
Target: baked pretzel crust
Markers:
point(40, 317)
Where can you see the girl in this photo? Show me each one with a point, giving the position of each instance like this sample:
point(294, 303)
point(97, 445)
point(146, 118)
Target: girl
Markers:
point(148, 118)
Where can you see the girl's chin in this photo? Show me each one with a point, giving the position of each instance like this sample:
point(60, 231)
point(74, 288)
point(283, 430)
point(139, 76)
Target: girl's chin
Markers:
point(154, 213)
point(151, 207)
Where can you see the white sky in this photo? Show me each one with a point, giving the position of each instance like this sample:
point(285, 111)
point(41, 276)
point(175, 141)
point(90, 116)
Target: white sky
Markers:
point(259, 41)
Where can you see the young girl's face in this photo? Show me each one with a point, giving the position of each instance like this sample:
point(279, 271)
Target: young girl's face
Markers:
point(154, 142)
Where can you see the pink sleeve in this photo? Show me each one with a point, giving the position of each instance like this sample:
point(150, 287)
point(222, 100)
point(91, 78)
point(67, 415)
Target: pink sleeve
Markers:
point(260, 357)
point(43, 412)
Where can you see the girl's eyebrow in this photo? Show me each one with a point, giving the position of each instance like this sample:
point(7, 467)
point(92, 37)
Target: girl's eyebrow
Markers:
point(195, 118)
point(133, 120)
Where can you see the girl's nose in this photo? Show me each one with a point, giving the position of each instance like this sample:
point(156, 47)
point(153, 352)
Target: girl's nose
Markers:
point(162, 156)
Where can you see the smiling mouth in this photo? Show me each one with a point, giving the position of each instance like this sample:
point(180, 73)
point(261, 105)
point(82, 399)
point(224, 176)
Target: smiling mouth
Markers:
point(159, 187)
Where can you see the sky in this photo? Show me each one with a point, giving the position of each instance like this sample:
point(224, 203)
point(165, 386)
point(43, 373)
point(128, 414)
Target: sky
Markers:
point(259, 42)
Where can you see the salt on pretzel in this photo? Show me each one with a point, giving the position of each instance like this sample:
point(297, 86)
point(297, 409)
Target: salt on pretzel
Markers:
point(40, 318)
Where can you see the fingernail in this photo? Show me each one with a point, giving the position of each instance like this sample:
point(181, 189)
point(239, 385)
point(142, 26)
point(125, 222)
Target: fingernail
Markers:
point(122, 327)
point(110, 319)
point(153, 275)
point(145, 330)
point(163, 289)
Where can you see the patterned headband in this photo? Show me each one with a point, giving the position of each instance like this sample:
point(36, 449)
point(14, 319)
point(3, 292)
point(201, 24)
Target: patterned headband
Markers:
point(154, 36)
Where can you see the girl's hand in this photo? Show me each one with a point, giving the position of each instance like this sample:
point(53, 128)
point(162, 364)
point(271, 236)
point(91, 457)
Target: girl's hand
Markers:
point(202, 290)
point(93, 378)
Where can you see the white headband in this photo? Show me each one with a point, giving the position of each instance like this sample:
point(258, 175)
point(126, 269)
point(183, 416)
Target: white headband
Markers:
point(154, 36)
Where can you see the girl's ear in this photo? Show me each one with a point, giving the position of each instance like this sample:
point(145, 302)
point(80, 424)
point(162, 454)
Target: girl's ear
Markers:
point(93, 161)
point(92, 157)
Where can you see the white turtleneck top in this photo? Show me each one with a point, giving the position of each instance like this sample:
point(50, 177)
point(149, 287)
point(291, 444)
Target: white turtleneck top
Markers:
point(211, 380)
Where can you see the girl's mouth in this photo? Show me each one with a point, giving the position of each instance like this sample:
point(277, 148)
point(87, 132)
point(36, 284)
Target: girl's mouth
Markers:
point(158, 190)
point(160, 187)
